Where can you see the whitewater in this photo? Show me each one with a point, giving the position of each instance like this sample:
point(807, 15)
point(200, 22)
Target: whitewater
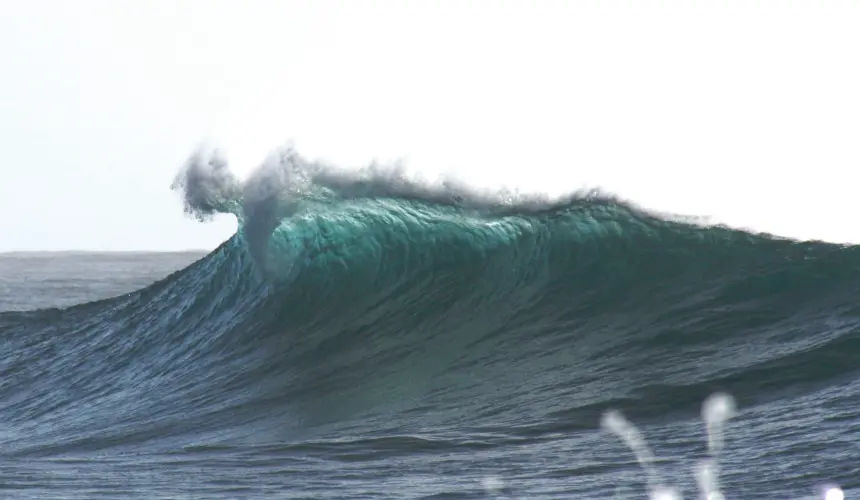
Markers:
point(367, 333)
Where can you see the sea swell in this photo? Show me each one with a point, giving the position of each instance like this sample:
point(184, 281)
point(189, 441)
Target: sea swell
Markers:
point(371, 304)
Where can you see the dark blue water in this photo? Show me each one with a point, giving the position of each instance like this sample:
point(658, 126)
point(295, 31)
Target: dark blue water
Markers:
point(367, 336)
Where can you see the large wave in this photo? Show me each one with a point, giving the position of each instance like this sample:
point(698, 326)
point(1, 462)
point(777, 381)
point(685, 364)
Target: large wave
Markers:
point(375, 300)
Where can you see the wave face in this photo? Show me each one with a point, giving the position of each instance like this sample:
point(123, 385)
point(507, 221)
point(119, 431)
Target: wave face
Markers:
point(364, 326)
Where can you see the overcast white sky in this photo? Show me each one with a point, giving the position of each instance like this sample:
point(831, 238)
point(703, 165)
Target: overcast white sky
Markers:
point(747, 111)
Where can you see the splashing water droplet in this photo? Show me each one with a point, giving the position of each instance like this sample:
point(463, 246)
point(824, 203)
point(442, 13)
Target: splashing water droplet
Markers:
point(614, 422)
point(834, 493)
point(716, 410)
point(719, 407)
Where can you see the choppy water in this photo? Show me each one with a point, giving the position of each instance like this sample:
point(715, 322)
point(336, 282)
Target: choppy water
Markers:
point(367, 336)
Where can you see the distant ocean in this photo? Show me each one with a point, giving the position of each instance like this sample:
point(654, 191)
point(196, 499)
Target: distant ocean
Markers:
point(365, 335)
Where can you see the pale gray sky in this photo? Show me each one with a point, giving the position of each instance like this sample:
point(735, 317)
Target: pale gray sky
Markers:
point(747, 111)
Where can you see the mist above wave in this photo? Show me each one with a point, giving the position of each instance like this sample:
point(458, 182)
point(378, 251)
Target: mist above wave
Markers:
point(208, 187)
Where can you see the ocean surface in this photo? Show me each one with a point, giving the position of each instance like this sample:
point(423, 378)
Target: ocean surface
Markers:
point(371, 336)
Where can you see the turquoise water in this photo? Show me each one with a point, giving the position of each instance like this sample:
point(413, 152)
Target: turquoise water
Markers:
point(367, 336)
